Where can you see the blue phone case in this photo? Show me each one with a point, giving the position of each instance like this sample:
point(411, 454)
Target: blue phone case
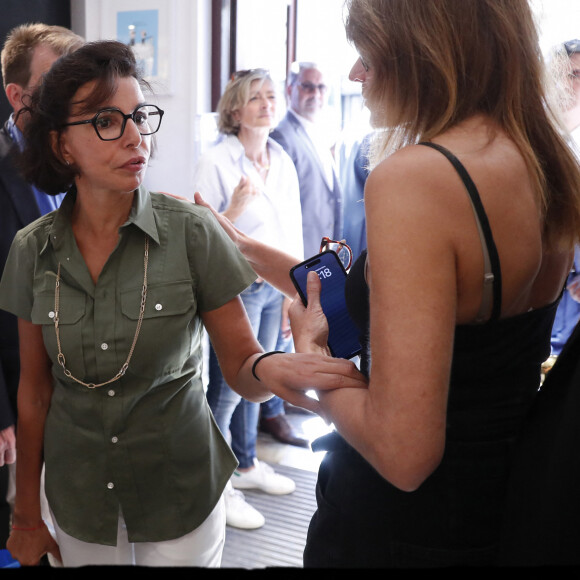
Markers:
point(343, 338)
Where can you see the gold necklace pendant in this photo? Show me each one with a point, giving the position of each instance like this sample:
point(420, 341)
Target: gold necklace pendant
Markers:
point(60, 356)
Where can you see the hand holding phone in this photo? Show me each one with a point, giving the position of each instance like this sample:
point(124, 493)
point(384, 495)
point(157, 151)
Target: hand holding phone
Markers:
point(342, 333)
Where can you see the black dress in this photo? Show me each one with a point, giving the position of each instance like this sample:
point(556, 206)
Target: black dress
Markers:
point(454, 518)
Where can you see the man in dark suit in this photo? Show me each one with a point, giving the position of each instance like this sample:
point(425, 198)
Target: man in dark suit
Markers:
point(28, 52)
point(320, 195)
point(299, 135)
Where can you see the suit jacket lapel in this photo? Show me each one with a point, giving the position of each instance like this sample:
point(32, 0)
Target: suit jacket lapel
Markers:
point(20, 192)
point(304, 134)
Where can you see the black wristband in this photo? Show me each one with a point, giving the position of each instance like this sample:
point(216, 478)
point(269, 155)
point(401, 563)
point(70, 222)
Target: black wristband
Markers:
point(260, 358)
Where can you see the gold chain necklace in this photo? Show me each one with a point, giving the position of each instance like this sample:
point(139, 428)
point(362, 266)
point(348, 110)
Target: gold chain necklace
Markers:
point(123, 370)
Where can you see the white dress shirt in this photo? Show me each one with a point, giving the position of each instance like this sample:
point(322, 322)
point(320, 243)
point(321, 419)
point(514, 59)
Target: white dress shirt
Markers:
point(275, 216)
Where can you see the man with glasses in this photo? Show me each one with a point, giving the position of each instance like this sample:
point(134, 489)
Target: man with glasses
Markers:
point(299, 135)
point(28, 52)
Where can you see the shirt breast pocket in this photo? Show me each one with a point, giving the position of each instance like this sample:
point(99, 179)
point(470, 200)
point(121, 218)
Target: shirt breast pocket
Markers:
point(72, 309)
point(165, 337)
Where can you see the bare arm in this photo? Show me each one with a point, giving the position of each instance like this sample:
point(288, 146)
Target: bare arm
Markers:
point(287, 375)
point(268, 262)
point(398, 424)
point(30, 539)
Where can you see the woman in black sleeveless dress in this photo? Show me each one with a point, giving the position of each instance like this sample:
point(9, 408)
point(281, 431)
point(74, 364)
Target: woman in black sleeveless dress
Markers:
point(472, 210)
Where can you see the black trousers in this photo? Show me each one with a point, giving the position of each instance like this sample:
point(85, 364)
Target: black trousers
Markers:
point(362, 521)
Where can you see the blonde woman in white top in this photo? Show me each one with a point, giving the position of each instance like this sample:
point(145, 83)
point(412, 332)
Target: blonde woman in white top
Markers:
point(251, 180)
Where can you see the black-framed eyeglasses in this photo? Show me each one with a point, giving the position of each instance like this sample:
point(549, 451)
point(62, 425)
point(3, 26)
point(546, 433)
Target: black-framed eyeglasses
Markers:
point(311, 87)
point(342, 250)
point(250, 71)
point(110, 123)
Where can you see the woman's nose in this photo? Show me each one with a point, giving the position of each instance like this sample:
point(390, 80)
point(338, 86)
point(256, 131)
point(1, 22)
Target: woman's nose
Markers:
point(357, 72)
point(132, 134)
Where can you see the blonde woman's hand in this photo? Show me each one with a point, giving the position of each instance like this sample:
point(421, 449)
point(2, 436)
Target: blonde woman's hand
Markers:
point(244, 194)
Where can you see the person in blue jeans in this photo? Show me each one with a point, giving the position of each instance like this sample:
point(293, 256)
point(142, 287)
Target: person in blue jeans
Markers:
point(263, 305)
point(273, 418)
point(250, 180)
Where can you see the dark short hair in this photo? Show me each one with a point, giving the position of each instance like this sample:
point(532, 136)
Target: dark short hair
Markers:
point(104, 61)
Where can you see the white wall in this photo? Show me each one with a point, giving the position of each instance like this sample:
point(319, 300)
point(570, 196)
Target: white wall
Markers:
point(188, 43)
point(559, 21)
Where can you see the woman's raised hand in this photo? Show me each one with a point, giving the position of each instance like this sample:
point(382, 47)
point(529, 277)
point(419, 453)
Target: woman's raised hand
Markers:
point(244, 194)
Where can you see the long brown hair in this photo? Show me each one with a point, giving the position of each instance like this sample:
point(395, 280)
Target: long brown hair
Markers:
point(438, 62)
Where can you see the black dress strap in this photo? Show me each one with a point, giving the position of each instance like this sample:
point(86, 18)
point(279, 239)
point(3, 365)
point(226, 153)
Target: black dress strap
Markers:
point(481, 216)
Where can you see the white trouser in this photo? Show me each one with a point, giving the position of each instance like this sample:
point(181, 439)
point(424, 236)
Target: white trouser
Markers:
point(201, 548)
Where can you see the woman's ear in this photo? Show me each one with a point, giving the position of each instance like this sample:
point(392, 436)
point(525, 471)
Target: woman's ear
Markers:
point(58, 144)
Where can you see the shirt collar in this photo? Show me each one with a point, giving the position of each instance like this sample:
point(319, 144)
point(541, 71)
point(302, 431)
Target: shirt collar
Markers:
point(141, 216)
point(238, 153)
point(235, 148)
point(306, 123)
point(14, 132)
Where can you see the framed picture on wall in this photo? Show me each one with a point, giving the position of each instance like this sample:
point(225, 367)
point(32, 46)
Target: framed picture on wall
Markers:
point(146, 26)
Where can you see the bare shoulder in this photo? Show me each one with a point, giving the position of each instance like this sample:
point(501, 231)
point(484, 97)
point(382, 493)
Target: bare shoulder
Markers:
point(410, 164)
point(416, 181)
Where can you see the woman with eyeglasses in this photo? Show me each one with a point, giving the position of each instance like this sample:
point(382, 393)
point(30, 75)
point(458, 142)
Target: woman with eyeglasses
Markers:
point(111, 292)
point(251, 180)
point(472, 210)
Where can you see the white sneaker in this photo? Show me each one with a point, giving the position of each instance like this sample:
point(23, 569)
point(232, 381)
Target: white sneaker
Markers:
point(239, 513)
point(263, 477)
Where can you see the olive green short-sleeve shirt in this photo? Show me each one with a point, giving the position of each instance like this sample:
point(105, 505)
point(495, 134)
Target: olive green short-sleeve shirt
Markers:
point(146, 443)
